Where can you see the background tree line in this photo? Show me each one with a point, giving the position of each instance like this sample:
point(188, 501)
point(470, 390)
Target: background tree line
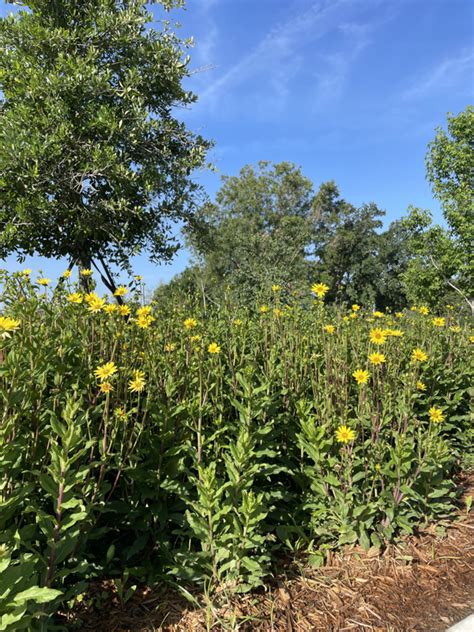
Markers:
point(268, 226)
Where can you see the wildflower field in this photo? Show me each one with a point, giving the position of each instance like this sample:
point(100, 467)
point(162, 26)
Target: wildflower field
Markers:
point(145, 443)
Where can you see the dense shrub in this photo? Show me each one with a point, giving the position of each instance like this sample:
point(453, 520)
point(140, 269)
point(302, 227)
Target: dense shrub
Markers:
point(151, 443)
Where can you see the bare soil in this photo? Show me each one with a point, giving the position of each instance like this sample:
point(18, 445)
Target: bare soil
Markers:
point(423, 584)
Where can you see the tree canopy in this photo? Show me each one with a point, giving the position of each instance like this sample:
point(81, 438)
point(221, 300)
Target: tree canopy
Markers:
point(450, 171)
point(94, 166)
point(268, 226)
point(346, 242)
point(257, 228)
point(442, 266)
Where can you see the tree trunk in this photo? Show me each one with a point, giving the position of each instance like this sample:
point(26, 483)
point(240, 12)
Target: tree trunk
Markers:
point(85, 263)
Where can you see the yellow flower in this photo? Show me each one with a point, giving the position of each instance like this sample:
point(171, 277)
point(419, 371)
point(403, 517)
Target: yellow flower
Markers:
point(144, 321)
point(121, 291)
point(7, 325)
point(345, 319)
point(213, 348)
point(320, 289)
point(418, 355)
point(396, 333)
point(361, 376)
point(436, 414)
point(144, 311)
point(66, 274)
point(398, 315)
point(43, 281)
point(455, 328)
point(137, 383)
point(138, 277)
point(377, 358)
point(85, 272)
point(75, 297)
point(170, 346)
point(105, 371)
point(110, 308)
point(105, 387)
point(190, 323)
point(96, 304)
point(276, 287)
point(330, 329)
point(471, 338)
point(355, 307)
point(263, 309)
point(438, 322)
point(345, 434)
point(377, 336)
point(378, 314)
point(421, 386)
point(414, 308)
point(424, 310)
point(26, 272)
point(195, 338)
point(353, 315)
point(121, 414)
point(124, 310)
point(237, 322)
point(92, 296)
point(378, 467)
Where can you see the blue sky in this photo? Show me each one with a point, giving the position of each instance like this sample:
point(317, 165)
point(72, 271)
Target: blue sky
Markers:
point(350, 90)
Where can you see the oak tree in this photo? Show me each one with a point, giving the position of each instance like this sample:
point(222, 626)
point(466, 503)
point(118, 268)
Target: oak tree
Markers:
point(94, 164)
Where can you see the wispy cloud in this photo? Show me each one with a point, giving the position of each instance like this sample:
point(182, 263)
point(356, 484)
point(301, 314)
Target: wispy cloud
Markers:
point(333, 68)
point(269, 69)
point(272, 52)
point(206, 43)
point(207, 5)
point(447, 74)
point(206, 46)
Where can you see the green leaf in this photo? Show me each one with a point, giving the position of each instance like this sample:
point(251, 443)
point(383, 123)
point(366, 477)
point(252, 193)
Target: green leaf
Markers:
point(37, 594)
point(110, 553)
point(12, 618)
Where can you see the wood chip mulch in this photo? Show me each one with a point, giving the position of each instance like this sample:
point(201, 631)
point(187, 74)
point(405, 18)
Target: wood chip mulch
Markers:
point(423, 584)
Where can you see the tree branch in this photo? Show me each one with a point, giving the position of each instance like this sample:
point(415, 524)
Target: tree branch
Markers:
point(469, 302)
point(107, 280)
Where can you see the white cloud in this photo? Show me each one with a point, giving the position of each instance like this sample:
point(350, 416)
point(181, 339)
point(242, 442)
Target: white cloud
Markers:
point(206, 5)
point(447, 74)
point(204, 55)
point(269, 69)
point(205, 47)
point(333, 68)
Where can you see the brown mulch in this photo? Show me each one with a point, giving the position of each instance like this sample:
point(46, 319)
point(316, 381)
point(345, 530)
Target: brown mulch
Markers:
point(423, 584)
